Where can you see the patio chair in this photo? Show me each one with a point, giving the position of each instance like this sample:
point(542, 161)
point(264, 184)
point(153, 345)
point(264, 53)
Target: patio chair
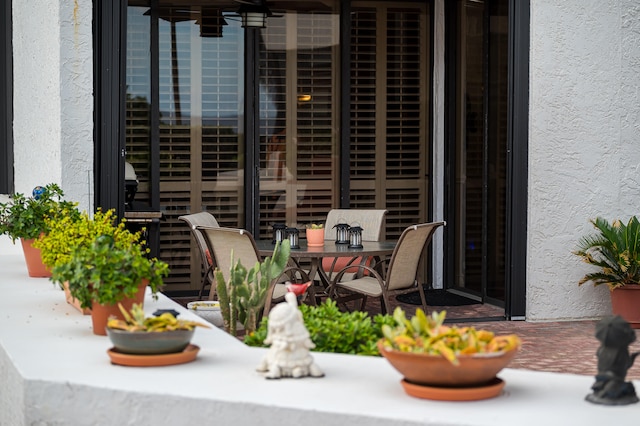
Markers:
point(222, 241)
point(401, 273)
point(370, 220)
point(202, 219)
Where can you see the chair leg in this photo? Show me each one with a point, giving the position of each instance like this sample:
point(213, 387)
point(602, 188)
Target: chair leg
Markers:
point(383, 306)
point(423, 297)
point(363, 303)
point(204, 284)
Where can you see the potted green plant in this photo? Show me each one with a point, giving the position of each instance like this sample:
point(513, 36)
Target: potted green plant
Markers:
point(158, 334)
point(614, 249)
point(26, 218)
point(70, 231)
point(102, 274)
point(446, 362)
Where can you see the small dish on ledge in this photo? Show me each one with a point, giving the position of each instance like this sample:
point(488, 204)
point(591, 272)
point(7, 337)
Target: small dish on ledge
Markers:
point(133, 360)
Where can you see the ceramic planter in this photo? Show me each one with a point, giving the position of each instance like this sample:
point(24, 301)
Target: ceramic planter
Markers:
point(625, 301)
point(33, 258)
point(101, 313)
point(73, 301)
point(150, 343)
point(315, 237)
point(434, 377)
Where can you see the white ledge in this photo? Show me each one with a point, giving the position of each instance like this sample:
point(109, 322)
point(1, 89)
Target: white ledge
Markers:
point(55, 371)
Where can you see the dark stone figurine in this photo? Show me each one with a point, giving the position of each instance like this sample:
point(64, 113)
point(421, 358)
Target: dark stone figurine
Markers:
point(615, 335)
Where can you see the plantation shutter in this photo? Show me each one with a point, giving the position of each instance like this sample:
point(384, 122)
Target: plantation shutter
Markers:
point(389, 111)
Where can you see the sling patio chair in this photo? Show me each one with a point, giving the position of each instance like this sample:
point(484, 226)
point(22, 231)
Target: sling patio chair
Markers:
point(230, 244)
point(202, 219)
point(401, 274)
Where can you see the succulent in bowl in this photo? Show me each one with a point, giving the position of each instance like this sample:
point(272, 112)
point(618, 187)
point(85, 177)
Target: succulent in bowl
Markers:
point(428, 352)
point(161, 334)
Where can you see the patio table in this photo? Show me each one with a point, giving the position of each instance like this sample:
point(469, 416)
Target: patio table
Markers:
point(377, 250)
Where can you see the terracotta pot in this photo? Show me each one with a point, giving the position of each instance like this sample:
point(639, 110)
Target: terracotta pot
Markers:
point(434, 370)
point(315, 237)
point(33, 258)
point(101, 313)
point(73, 301)
point(625, 301)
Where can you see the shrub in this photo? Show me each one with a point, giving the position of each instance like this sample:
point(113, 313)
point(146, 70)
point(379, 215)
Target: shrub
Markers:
point(332, 330)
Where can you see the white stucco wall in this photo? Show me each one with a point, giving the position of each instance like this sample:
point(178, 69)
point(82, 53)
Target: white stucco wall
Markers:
point(53, 96)
point(584, 153)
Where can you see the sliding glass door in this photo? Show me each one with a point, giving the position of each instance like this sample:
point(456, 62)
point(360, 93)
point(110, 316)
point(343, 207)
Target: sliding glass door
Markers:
point(184, 126)
point(479, 152)
point(190, 72)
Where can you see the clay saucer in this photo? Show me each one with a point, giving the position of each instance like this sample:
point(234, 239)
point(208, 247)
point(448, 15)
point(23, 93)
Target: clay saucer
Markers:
point(131, 360)
point(470, 393)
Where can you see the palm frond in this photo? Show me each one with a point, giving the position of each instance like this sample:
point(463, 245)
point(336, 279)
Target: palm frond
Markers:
point(614, 248)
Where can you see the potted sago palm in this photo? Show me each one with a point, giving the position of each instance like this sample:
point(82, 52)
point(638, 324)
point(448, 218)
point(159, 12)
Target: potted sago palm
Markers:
point(614, 249)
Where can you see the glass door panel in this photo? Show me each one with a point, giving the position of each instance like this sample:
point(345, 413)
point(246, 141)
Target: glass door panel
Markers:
point(299, 69)
point(390, 51)
point(187, 149)
point(480, 149)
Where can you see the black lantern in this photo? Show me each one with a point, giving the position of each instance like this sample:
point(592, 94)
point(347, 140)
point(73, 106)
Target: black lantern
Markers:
point(254, 15)
point(279, 232)
point(293, 235)
point(342, 233)
point(355, 237)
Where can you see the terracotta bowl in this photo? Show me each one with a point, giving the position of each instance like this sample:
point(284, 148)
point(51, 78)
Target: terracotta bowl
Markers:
point(433, 370)
point(149, 343)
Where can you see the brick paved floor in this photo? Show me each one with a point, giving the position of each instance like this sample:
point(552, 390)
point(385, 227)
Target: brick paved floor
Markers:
point(563, 347)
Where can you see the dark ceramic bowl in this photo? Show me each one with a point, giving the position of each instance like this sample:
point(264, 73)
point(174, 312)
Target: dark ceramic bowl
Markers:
point(150, 343)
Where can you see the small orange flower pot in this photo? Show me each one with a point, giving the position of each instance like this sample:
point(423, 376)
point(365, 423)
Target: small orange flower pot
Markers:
point(315, 237)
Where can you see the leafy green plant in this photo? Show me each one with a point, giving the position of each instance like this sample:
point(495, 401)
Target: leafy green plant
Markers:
point(104, 273)
point(615, 250)
point(332, 330)
point(242, 298)
point(26, 217)
point(71, 231)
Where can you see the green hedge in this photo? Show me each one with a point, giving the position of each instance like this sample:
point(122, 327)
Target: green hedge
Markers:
point(333, 330)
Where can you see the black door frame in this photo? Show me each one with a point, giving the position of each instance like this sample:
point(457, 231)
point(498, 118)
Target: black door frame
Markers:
point(517, 152)
point(6, 100)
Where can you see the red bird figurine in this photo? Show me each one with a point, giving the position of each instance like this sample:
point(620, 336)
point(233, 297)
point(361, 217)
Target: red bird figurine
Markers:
point(297, 289)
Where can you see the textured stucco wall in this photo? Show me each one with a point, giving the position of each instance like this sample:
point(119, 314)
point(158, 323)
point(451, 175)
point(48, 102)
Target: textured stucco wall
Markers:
point(53, 96)
point(584, 153)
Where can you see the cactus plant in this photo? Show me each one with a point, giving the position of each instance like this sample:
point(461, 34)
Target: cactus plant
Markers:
point(243, 297)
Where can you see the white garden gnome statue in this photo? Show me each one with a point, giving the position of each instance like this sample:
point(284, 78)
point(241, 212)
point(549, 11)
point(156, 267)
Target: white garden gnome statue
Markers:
point(288, 355)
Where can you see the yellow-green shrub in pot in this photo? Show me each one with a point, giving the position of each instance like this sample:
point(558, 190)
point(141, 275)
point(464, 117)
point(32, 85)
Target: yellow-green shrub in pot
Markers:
point(101, 275)
point(71, 231)
point(615, 250)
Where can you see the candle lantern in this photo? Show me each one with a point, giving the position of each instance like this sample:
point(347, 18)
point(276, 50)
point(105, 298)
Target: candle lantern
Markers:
point(293, 234)
point(355, 237)
point(342, 233)
point(279, 232)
